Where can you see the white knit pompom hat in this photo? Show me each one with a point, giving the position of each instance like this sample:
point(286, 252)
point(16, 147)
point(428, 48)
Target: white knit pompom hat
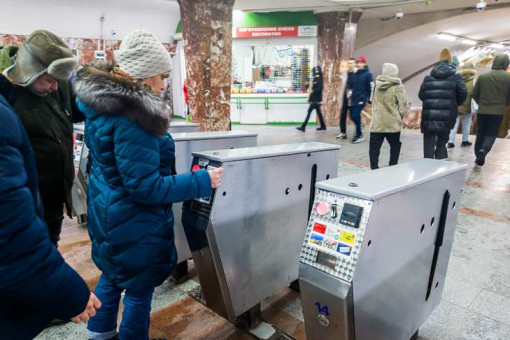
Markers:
point(142, 55)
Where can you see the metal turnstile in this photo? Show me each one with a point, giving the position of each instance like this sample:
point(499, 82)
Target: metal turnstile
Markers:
point(185, 144)
point(80, 154)
point(176, 127)
point(246, 238)
point(374, 259)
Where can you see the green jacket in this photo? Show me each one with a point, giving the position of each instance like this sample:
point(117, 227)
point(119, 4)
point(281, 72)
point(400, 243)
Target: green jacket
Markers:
point(492, 89)
point(48, 122)
point(389, 105)
point(468, 76)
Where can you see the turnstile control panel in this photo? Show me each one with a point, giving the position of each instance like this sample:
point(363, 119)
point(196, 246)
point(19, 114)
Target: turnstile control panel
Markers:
point(335, 233)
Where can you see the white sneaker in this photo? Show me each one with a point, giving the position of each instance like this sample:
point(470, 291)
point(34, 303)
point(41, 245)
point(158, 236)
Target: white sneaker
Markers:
point(342, 136)
point(358, 139)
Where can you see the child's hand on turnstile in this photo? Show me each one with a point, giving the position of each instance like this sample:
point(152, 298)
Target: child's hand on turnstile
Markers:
point(89, 311)
point(216, 177)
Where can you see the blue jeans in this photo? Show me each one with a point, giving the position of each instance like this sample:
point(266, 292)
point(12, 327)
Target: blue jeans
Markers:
point(356, 118)
point(466, 126)
point(135, 318)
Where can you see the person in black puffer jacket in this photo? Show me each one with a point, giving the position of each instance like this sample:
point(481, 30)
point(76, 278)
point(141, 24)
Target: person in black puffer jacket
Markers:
point(315, 100)
point(441, 93)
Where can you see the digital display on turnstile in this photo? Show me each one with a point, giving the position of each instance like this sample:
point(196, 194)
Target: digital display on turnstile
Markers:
point(351, 215)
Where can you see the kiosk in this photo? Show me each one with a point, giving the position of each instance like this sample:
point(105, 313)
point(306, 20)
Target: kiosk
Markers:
point(246, 238)
point(374, 259)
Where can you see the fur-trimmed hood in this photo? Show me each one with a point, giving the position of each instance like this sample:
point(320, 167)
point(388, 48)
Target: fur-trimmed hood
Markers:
point(98, 88)
point(467, 74)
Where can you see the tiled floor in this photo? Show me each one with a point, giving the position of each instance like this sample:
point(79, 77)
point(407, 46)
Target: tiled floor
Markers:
point(476, 299)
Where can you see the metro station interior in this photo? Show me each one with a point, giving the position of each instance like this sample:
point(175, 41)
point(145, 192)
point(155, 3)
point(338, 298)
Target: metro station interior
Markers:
point(303, 228)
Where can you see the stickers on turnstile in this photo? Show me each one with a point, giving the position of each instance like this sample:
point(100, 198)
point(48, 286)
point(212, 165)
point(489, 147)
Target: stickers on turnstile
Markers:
point(331, 239)
point(331, 245)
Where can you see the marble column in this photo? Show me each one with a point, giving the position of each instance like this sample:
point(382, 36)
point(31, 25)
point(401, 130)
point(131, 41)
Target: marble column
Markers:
point(336, 38)
point(207, 35)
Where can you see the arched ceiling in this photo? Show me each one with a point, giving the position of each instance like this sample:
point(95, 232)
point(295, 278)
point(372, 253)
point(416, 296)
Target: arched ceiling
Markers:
point(418, 47)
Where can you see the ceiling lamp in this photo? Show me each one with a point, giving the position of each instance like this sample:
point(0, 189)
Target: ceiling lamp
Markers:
point(446, 36)
point(468, 42)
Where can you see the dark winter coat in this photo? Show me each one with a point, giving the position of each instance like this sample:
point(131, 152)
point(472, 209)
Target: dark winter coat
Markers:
point(317, 87)
point(26, 253)
point(441, 92)
point(492, 90)
point(361, 83)
point(48, 122)
point(131, 188)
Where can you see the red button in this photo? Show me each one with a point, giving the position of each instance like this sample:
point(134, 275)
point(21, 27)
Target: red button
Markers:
point(195, 167)
point(322, 208)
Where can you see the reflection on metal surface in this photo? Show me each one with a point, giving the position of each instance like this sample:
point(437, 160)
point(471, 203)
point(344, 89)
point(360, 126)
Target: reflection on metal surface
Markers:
point(246, 244)
point(185, 145)
point(386, 260)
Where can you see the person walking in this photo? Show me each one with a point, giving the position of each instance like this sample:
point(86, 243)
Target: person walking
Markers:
point(441, 93)
point(465, 115)
point(351, 68)
point(360, 91)
point(492, 93)
point(36, 285)
point(315, 100)
point(131, 186)
point(389, 106)
point(38, 89)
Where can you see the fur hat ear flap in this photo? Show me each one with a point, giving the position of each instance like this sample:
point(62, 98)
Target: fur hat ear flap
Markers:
point(62, 68)
point(445, 55)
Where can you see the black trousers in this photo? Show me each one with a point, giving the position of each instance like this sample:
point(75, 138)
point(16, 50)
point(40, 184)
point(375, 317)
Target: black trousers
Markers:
point(317, 107)
point(434, 145)
point(343, 117)
point(486, 132)
point(376, 141)
point(53, 203)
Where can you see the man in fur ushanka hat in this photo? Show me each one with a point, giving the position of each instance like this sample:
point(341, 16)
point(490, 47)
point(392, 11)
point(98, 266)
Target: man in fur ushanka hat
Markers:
point(37, 87)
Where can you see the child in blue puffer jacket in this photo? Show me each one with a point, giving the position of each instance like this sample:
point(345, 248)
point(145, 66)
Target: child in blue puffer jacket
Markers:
point(131, 186)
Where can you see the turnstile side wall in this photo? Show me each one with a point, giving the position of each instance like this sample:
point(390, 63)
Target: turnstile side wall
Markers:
point(183, 160)
point(398, 261)
point(326, 299)
point(271, 222)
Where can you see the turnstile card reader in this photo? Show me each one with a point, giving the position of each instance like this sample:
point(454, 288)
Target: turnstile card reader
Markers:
point(246, 238)
point(189, 142)
point(374, 259)
point(177, 127)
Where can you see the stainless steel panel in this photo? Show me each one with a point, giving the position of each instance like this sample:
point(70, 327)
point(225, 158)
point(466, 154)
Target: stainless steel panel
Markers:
point(79, 197)
point(184, 136)
point(396, 178)
point(188, 143)
point(395, 244)
point(391, 278)
point(327, 305)
point(176, 127)
point(266, 151)
point(185, 145)
point(258, 219)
